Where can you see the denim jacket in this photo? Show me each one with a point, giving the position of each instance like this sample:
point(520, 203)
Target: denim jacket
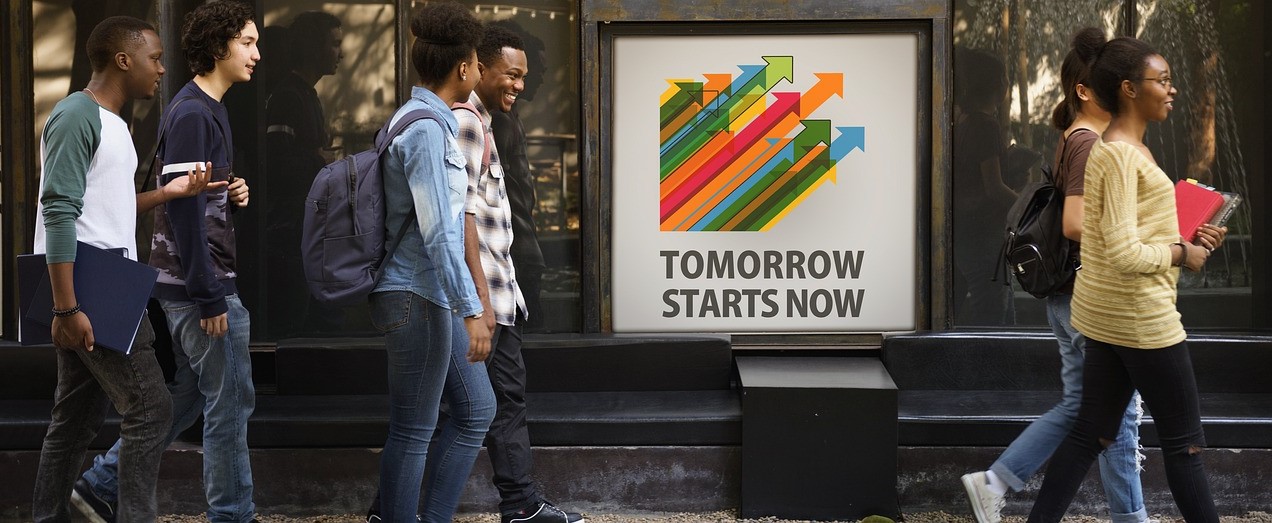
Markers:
point(432, 181)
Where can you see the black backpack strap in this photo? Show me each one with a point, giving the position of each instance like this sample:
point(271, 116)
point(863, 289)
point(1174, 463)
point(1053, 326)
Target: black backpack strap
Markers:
point(163, 134)
point(382, 140)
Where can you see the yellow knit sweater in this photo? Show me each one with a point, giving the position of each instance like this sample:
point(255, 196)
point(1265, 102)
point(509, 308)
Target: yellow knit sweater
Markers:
point(1125, 292)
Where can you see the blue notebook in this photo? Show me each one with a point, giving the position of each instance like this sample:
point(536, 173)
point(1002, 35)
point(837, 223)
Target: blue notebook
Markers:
point(112, 291)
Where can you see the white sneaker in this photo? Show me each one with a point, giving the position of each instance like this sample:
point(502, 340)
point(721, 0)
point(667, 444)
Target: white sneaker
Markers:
point(986, 505)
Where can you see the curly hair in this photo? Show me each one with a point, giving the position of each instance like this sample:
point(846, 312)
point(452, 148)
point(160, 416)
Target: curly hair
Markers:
point(494, 40)
point(112, 35)
point(446, 33)
point(208, 31)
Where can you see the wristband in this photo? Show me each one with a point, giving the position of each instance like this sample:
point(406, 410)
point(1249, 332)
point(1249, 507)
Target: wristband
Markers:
point(1183, 254)
point(67, 312)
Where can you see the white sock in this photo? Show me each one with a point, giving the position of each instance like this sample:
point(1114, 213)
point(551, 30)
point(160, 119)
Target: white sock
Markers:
point(994, 484)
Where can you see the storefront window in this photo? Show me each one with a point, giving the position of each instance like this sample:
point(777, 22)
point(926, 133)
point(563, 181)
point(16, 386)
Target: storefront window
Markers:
point(327, 81)
point(325, 84)
point(1006, 70)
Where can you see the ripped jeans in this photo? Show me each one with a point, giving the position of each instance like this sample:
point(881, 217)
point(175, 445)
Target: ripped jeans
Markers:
point(1164, 378)
point(1119, 463)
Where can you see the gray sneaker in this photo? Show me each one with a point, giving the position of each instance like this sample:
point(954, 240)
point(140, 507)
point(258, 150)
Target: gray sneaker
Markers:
point(986, 505)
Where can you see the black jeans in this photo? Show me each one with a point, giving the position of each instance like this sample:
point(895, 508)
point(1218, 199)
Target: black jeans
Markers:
point(508, 441)
point(85, 382)
point(1165, 380)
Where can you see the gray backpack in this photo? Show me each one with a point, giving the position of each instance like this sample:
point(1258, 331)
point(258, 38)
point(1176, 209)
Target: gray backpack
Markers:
point(342, 237)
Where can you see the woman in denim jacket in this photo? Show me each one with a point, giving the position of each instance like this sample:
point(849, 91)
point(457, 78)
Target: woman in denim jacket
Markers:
point(425, 302)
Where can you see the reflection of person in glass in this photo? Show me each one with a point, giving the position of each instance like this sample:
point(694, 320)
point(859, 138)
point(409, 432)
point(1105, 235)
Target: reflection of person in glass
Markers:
point(981, 199)
point(296, 135)
point(1124, 297)
point(510, 141)
point(1080, 120)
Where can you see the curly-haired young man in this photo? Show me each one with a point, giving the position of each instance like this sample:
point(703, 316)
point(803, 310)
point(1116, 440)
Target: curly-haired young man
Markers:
point(193, 248)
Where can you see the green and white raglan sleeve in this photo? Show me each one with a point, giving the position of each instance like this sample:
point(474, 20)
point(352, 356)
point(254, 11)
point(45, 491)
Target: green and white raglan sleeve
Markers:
point(71, 137)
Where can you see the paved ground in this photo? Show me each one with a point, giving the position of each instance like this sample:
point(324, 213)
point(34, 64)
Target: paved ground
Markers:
point(712, 517)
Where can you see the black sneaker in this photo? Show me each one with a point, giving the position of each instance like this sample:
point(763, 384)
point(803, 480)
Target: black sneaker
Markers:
point(373, 516)
point(543, 513)
point(96, 509)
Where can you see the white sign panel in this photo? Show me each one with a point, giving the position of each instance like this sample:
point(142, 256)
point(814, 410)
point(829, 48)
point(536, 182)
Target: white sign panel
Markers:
point(764, 183)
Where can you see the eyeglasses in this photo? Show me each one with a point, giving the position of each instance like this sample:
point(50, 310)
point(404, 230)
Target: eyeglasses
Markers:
point(1164, 80)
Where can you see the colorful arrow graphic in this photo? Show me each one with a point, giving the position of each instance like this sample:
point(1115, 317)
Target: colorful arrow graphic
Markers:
point(735, 155)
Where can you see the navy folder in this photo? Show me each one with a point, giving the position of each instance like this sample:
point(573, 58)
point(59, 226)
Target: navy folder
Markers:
point(112, 290)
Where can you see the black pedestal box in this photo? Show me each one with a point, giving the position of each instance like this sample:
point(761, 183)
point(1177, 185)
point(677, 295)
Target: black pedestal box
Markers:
point(819, 438)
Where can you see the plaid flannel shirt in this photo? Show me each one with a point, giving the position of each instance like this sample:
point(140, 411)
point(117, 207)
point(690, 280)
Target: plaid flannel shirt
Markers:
point(487, 201)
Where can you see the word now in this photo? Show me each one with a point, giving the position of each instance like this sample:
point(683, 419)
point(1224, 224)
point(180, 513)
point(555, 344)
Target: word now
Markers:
point(762, 303)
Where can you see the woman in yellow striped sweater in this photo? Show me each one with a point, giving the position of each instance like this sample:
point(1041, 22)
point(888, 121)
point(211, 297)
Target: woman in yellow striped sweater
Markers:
point(1124, 297)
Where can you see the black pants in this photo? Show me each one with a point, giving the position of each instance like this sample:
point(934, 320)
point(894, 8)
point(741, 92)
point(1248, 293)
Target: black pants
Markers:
point(1165, 380)
point(508, 440)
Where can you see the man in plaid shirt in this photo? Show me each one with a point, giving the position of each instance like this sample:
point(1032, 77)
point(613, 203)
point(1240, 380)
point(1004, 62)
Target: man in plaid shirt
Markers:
point(488, 252)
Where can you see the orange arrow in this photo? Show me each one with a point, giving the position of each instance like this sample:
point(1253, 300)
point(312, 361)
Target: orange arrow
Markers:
point(705, 153)
point(715, 86)
point(827, 84)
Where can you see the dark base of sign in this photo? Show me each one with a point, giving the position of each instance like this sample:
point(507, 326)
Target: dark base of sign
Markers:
point(819, 438)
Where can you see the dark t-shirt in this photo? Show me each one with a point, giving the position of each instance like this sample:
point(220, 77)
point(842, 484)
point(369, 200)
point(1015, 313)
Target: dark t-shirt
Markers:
point(296, 132)
point(1071, 160)
point(980, 214)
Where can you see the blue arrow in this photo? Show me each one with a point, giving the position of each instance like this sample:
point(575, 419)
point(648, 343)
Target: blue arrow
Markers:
point(849, 138)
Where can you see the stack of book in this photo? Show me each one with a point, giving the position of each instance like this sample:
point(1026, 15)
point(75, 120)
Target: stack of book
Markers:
point(1197, 204)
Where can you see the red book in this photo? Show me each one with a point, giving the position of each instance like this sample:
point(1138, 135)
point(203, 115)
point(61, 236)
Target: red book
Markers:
point(1195, 205)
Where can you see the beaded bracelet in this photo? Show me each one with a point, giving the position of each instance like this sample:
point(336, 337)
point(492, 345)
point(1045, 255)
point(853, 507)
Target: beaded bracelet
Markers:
point(68, 312)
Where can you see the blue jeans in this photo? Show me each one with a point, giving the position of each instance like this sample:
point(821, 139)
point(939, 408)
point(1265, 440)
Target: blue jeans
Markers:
point(1112, 373)
point(427, 347)
point(213, 378)
point(1119, 463)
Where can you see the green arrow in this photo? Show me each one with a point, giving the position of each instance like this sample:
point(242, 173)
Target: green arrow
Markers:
point(689, 93)
point(779, 68)
point(794, 187)
point(814, 132)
